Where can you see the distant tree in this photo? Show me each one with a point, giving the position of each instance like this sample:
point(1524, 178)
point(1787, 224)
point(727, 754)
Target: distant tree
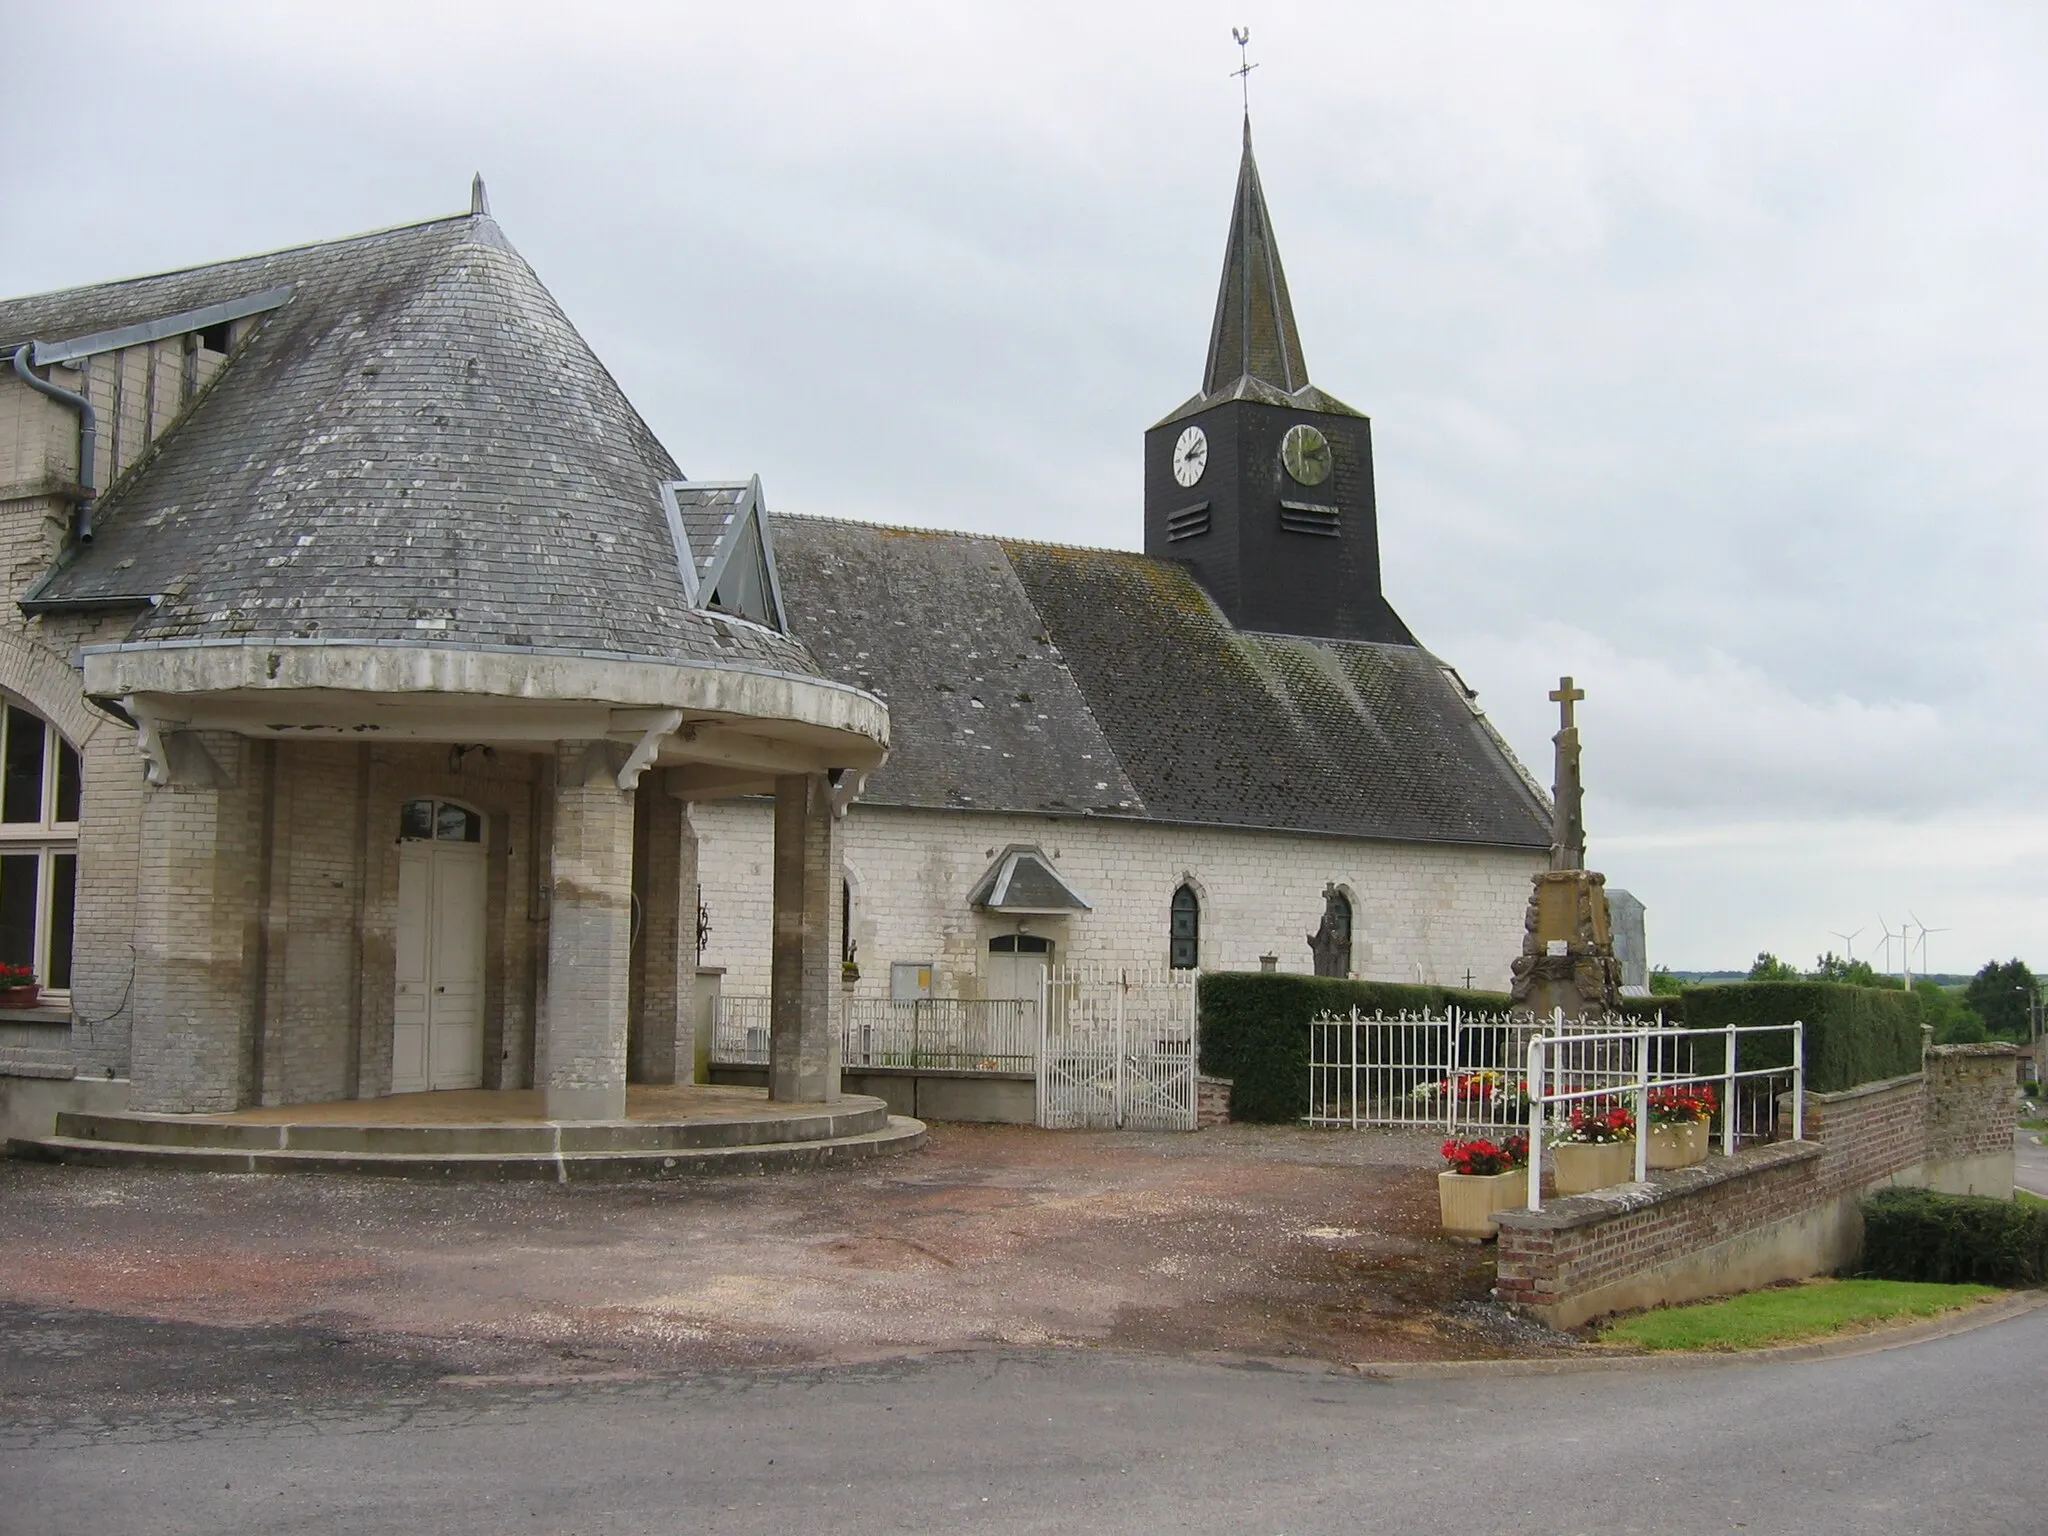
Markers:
point(1663, 983)
point(1855, 973)
point(1999, 995)
point(1953, 1021)
point(1769, 967)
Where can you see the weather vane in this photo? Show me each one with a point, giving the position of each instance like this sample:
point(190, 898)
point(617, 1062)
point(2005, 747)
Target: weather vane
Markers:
point(1246, 66)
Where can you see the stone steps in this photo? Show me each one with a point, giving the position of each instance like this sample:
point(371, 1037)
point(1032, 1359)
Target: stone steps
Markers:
point(446, 1163)
point(855, 1116)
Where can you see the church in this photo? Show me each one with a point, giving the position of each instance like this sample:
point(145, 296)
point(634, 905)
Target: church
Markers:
point(1203, 755)
point(386, 712)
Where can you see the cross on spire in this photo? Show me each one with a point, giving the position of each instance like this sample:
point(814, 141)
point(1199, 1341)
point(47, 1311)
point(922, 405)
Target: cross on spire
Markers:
point(1564, 695)
point(1243, 72)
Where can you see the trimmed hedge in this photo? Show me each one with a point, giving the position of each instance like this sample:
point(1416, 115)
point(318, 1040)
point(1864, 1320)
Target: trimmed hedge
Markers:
point(1916, 1234)
point(1255, 1028)
point(1853, 1034)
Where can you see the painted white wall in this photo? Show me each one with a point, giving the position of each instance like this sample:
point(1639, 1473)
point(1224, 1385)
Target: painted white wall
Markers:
point(1421, 912)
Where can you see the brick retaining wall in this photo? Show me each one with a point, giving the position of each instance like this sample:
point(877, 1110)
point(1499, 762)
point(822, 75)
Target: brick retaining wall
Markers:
point(1779, 1211)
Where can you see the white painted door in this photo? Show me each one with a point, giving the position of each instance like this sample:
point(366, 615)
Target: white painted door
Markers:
point(1016, 976)
point(437, 1012)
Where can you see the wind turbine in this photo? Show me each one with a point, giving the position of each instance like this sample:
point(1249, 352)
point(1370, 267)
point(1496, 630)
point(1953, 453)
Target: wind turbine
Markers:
point(1848, 943)
point(1924, 931)
point(1885, 928)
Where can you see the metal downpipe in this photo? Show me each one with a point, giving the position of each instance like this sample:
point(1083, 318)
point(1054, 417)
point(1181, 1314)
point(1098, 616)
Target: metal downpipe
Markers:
point(88, 436)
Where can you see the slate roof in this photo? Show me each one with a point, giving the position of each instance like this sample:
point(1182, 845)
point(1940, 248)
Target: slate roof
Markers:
point(1038, 677)
point(417, 446)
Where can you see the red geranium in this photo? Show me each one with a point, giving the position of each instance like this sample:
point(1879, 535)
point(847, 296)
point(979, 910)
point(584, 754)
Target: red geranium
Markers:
point(1481, 1156)
point(1683, 1105)
point(1602, 1122)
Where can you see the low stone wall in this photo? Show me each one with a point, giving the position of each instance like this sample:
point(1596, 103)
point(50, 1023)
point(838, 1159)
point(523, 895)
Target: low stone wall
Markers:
point(1212, 1102)
point(1781, 1211)
point(924, 1093)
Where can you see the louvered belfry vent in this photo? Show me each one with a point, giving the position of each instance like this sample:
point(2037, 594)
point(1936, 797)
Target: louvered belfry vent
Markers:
point(1309, 517)
point(1187, 523)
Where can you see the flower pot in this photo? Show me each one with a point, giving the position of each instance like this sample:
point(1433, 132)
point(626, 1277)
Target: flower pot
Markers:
point(1678, 1145)
point(1467, 1201)
point(1584, 1165)
point(20, 997)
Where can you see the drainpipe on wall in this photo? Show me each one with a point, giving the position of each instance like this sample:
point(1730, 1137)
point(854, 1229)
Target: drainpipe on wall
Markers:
point(88, 436)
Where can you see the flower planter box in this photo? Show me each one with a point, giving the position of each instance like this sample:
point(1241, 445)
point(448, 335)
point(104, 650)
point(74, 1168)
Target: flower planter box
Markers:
point(19, 997)
point(1468, 1201)
point(1585, 1165)
point(1678, 1145)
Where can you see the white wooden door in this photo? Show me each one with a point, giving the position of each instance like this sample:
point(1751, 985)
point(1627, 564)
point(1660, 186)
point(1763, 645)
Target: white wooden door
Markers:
point(437, 1010)
point(1016, 976)
point(409, 1007)
point(455, 1028)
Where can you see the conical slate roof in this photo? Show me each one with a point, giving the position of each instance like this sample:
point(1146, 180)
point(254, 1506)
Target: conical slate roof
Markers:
point(1254, 344)
point(1254, 334)
point(416, 446)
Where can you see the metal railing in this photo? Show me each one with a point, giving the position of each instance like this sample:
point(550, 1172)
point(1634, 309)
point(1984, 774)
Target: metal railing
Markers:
point(1452, 1071)
point(1600, 1068)
point(954, 1034)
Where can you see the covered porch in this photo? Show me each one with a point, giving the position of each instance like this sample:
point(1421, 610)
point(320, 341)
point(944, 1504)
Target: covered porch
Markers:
point(372, 870)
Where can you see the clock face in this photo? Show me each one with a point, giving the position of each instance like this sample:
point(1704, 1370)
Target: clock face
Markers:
point(1306, 454)
point(1190, 456)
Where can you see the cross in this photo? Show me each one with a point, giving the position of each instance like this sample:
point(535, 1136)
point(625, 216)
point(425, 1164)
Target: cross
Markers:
point(1243, 72)
point(1565, 695)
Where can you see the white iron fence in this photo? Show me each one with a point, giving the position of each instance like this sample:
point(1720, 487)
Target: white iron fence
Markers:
point(1117, 1049)
point(1454, 1071)
point(958, 1034)
point(1594, 1071)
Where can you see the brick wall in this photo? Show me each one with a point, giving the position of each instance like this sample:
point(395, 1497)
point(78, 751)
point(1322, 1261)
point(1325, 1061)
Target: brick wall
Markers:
point(1421, 911)
point(1778, 1211)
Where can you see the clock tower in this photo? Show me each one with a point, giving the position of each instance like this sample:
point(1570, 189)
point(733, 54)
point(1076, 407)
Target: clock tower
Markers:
point(1262, 483)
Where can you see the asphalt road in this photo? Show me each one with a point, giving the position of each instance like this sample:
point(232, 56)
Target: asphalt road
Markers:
point(1938, 1436)
point(2030, 1163)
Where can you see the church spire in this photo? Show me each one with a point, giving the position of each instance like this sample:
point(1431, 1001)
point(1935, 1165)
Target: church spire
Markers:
point(1253, 336)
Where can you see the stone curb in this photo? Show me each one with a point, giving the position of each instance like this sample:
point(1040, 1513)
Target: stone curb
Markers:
point(1871, 1342)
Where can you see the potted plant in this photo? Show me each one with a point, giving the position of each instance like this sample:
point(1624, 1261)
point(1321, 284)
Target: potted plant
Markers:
point(1678, 1124)
point(18, 987)
point(1597, 1149)
point(1482, 1177)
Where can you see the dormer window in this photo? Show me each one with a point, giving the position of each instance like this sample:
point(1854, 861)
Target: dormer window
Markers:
point(725, 550)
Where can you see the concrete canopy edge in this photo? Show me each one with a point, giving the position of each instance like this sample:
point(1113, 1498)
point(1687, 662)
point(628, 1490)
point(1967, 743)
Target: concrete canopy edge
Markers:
point(265, 685)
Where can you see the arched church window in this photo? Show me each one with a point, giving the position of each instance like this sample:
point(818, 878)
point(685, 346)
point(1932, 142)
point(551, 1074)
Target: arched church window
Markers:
point(40, 788)
point(1184, 930)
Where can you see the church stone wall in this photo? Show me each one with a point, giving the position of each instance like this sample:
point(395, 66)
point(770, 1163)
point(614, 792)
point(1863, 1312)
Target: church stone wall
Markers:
point(1422, 912)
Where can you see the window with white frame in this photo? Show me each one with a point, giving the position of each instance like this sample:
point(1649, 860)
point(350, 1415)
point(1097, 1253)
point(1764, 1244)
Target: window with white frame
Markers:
point(40, 782)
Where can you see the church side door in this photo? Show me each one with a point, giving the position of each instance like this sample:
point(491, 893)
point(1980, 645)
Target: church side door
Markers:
point(437, 1009)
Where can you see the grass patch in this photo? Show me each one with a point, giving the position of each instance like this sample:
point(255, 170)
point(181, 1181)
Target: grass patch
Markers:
point(2034, 1125)
point(2028, 1197)
point(1788, 1313)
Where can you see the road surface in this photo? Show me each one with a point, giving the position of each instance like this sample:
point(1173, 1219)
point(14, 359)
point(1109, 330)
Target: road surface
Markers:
point(258, 1435)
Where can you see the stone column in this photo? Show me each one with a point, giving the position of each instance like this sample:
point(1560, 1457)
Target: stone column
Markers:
point(583, 1055)
point(198, 923)
point(665, 880)
point(803, 1036)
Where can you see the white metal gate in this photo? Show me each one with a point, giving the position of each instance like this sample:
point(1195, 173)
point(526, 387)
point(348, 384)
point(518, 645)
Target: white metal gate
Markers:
point(1116, 1048)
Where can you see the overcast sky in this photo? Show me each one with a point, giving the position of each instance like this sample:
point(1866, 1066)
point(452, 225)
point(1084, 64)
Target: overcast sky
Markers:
point(1703, 343)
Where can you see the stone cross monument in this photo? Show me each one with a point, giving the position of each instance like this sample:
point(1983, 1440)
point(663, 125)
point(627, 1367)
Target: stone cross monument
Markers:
point(1567, 959)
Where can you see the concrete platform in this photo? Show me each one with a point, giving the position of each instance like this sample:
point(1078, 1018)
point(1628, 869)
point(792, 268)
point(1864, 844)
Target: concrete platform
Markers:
point(668, 1132)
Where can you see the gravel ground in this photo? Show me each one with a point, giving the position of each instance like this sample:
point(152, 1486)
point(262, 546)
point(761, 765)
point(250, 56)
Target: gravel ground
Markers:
point(1244, 1240)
